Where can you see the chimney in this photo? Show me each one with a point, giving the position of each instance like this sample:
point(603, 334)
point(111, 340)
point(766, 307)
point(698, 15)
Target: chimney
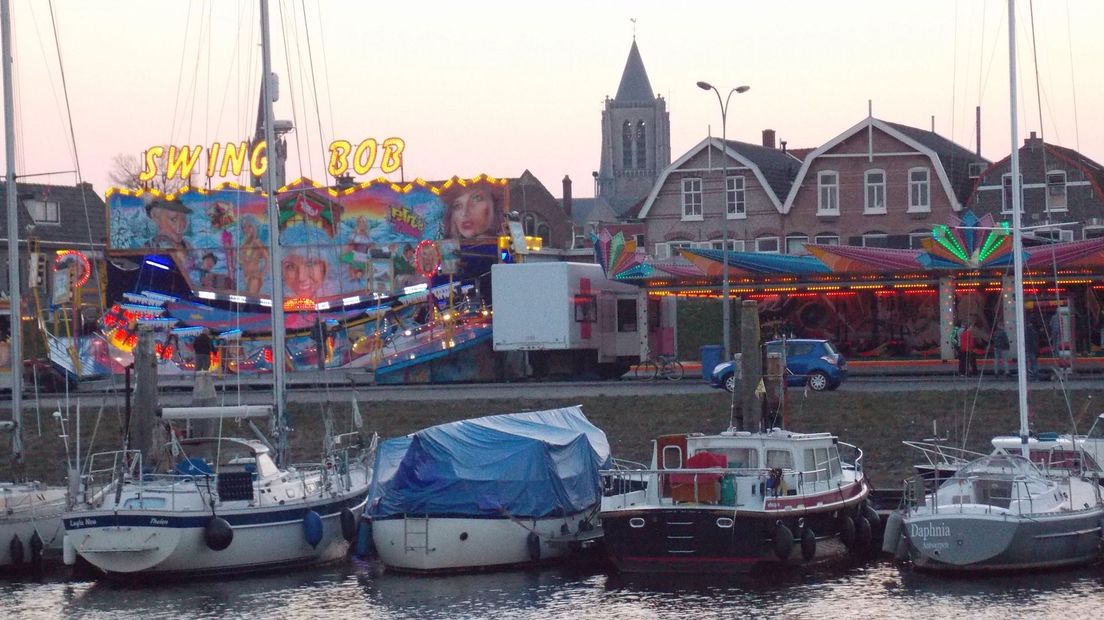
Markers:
point(567, 195)
point(768, 138)
point(344, 181)
point(783, 143)
point(1032, 141)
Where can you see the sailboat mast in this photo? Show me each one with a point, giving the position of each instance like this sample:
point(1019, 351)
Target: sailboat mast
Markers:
point(1017, 233)
point(279, 375)
point(15, 312)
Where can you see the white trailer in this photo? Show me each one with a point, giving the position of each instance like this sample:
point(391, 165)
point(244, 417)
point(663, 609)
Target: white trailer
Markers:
point(568, 318)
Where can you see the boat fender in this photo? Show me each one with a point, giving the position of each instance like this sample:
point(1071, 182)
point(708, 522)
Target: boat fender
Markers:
point(365, 546)
point(847, 530)
point(15, 549)
point(532, 541)
point(218, 534)
point(36, 550)
point(783, 541)
point(901, 553)
point(863, 534)
point(348, 524)
point(892, 532)
point(68, 551)
point(312, 528)
point(808, 544)
point(871, 514)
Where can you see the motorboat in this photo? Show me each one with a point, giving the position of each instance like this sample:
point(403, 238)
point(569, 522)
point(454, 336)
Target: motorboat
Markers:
point(1062, 452)
point(217, 504)
point(737, 500)
point(30, 523)
point(489, 492)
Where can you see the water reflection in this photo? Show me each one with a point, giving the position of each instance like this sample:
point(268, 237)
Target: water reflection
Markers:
point(358, 589)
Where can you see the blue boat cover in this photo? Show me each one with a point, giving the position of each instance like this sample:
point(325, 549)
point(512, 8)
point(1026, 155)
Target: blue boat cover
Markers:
point(533, 464)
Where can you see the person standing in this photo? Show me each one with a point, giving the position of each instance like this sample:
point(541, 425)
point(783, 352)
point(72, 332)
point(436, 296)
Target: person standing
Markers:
point(967, 361)
point(1001, 351)
point(202, 346)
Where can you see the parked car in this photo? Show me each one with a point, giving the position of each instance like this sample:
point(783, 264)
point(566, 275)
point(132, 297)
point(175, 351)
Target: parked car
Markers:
point(815, 362)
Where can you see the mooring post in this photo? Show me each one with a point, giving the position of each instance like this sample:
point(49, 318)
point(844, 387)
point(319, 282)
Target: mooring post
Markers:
point(751, 361)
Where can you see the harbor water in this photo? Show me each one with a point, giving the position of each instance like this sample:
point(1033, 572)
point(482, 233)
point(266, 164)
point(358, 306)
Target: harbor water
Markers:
point(354, 589)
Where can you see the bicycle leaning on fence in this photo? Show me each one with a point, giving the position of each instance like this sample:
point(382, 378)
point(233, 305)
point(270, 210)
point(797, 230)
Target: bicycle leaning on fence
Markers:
point(660, 367)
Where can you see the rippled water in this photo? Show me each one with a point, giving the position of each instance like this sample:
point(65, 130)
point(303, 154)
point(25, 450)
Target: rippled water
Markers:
point(364, 590)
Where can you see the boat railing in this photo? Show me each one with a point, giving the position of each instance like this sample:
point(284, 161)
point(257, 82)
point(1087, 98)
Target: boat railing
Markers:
point(714, 485)
point(979, 494)
point(854, 452)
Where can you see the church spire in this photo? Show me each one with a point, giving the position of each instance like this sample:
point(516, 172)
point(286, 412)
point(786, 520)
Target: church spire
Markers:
point(634, 80)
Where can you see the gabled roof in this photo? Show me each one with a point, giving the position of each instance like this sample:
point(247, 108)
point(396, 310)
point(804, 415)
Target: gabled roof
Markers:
point(950, 161)
point(81, 213)
point(634, 79)
point(773, 168)
point(1093, 171)
point(585, 210)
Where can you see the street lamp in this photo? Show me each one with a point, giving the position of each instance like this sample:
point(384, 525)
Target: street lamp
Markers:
point(726, 304)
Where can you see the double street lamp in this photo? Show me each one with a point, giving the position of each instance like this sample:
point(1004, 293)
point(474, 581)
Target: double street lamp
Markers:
point(726, 304)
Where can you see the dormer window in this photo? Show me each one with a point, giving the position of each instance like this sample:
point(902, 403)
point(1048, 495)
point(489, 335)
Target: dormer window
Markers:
point(1056, 197)
point(43, 211)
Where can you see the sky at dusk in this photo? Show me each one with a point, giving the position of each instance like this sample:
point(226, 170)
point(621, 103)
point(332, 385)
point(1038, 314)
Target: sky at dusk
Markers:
point(500, 87)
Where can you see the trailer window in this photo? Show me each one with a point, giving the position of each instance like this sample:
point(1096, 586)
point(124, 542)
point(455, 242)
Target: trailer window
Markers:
point(586, 309)
point(626, 315)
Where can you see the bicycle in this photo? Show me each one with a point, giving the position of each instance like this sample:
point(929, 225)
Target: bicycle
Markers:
point(662, 366)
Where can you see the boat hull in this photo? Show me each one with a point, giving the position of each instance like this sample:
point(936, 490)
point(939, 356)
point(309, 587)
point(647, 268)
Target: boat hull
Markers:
point(151, 542)
point(1002, 542)
point(698, 539)
point(24, 511)
point(441, 544)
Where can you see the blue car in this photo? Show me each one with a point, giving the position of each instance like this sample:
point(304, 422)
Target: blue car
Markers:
point(815, 362)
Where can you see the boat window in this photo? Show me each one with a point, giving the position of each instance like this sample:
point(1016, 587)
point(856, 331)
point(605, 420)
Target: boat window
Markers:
point(739, 458)
point(779, 458)
point(144, 503)
point(265, 466)
point(672, 457)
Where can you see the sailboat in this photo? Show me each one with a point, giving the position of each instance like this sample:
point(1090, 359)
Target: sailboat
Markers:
point(30, 512)
point(221, 504)
point(1001, 512)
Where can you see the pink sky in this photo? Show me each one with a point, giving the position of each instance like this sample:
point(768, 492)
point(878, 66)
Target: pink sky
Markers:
point(498, 87)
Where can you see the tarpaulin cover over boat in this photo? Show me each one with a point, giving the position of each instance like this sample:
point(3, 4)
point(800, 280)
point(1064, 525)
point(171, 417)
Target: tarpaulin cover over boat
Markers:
point(532, 464)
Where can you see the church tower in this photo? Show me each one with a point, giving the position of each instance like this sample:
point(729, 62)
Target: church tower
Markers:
point(636, 138)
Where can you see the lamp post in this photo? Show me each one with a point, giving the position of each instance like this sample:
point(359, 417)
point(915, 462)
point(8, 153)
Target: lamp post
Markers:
point(726, 303)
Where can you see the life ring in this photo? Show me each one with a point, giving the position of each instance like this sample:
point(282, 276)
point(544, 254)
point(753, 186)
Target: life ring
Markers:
point(532, 542)
point(808, 544)
point(783, 541)
point(218, 534)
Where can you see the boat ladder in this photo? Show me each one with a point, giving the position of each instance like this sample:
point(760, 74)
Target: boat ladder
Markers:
point(680, 536)
point(416, 533)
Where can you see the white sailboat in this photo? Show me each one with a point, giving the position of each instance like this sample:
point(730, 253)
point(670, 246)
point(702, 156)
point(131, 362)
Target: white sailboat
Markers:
point(1001, 512)
point(227, 505)
point(30, 512)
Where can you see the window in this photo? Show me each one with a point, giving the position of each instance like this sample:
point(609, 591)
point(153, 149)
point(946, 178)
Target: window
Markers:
point(875, 192)
point(668, 249)
point(739, 458)
point(1006, 193)
point(529, 224)
point(779, 458)
point(816, 464)
point(672, 457)
point(626, 315)
point(544, 232)
point(828, 193)
point(1093, 232)
point(641, 146)
point(734, 245)
point(1054, 234)
point(975, 169)
point(795, 244)
point(875, 240)
point(627, 145)
point(1056, 191)
point(916, 239)
point(692, 199)
point(827, 240)
point(919, 190)
point(43, 211)
point(734, 197)
point(767, 245)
